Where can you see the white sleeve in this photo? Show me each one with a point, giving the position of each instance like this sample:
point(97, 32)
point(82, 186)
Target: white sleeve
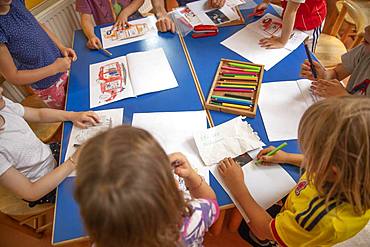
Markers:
point(15, 107)
point(5, 161)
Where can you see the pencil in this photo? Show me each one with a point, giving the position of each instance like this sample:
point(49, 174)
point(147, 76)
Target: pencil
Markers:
point(239, 82)
point(245, 66)
point(231, 105)
point(238, 78)
point(236, 86)
point(238, 96)
point(274, 151)
point(224, 99)
point(238, 69)
point(237, 72)
point(106, 52)
point(313, 70)
point(233, 90)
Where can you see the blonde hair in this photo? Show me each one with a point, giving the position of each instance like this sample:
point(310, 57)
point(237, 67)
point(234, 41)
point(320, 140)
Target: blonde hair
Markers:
point(127, 192)
point(336, 133)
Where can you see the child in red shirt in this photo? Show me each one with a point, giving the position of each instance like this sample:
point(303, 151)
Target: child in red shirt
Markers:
point(305, 15)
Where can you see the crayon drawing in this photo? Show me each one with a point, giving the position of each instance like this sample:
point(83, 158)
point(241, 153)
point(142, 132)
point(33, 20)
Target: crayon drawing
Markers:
point(270, 26)
point(136, 30)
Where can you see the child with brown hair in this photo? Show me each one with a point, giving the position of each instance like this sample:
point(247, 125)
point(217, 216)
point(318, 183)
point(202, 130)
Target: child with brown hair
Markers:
point(128, 195)
point(331, 202)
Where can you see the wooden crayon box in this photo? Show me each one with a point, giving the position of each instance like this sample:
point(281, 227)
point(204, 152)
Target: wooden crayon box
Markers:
point(236, 88)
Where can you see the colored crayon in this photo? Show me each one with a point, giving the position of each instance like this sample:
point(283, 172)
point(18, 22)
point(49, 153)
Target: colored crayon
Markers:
point(245, 66)
point(239, 69)
point(224, 99)
point(238, 96)
point(231, 105)
point(236, 86)
point(274, 151)
point(108, 53)
point(238, 78)
point(246, 82)
point(236, 72)
point(240, 84)
point(234, 90)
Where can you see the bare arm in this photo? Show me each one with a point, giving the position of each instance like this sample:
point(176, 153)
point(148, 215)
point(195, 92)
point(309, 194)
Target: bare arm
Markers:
point(31, 191)
point(22, 77)
point(288, 21)
point(47, 115)
point(279, 157)
point(198, 188)
point(131, 8)
point(338, 73)
point(158, 8)
point(87, 25)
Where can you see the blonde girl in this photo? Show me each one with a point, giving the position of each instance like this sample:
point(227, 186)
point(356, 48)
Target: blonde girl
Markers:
point(331, 202)
point(128, 196)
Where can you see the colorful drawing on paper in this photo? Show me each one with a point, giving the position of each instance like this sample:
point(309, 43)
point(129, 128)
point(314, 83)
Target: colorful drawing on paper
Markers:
point(270, 26)
point(128, 32)
point(190, 17)
point(112, 80)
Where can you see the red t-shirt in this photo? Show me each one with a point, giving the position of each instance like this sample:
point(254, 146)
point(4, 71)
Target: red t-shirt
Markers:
point(310, 14)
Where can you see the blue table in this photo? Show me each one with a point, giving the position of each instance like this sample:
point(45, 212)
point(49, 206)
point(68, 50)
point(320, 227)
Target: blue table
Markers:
point(205, 56)
point(67, 222)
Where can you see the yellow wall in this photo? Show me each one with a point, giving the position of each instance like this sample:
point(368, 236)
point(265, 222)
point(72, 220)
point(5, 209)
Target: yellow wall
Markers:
point(32, 3)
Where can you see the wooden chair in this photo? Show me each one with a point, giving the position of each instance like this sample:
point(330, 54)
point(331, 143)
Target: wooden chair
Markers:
point(330, 48)
point(44, 131)
point(31, 221)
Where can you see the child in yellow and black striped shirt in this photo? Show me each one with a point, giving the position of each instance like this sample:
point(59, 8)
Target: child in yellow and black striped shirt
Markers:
point(331, 202)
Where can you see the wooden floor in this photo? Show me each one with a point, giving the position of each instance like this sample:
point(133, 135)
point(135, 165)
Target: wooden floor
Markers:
point(10, 237)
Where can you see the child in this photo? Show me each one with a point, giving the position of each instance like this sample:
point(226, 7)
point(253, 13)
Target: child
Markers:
point(164, 22)
point(27, 166)
point(331, 202)
point(32, 55)
point(128, 196)
point(103, 12)
point(305, 15)
point(355, 63)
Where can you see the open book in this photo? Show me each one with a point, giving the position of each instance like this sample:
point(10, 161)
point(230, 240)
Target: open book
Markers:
point(282, 105)
point(211, 16)
point(128, 76)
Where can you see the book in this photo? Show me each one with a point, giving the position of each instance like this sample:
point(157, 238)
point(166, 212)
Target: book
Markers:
point(129, 76)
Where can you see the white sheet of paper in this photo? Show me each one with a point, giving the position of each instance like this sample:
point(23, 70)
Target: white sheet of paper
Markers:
point(267, 184)
point(245, 43)
point(109, 82)
point(200, 8)
point(150, 71)
point(283, 124)
point(174, 131)
point(79, 136)
point(275, 28)
point(253, 33)
point(229, 139)
point(152, 31)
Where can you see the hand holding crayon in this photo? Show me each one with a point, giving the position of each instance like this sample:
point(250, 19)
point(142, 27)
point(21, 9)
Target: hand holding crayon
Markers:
point(272, 155)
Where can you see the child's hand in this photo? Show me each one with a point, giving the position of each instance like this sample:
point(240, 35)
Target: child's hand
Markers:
point(121, 21)
point(328, 88)
point(232, 174)
point(69, 52)
point(216, 3)
point(307, 73)
point(94, 43)
point(84, 119)
point(165, 24)
point(260, 9)
point(181, 165)
point(279, 157)
point(61, 64)
point(272, 43)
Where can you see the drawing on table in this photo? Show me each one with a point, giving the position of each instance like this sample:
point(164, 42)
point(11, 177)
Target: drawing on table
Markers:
point(270, 26)
point(112, 80)
point(84, 134)
point(126, 32)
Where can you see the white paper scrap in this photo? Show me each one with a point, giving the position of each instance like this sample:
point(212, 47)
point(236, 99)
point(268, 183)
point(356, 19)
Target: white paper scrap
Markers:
point(229, 139)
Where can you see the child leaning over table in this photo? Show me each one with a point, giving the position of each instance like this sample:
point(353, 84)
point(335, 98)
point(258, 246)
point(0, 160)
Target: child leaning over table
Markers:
point(331, 202)
point(32, 55)
point(103, 12)
point(305, 15)
point(355, 63)
point(27, 166)
point(128, 195)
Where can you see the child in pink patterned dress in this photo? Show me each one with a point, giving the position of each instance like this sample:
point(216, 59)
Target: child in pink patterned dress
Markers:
point(128, 196)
